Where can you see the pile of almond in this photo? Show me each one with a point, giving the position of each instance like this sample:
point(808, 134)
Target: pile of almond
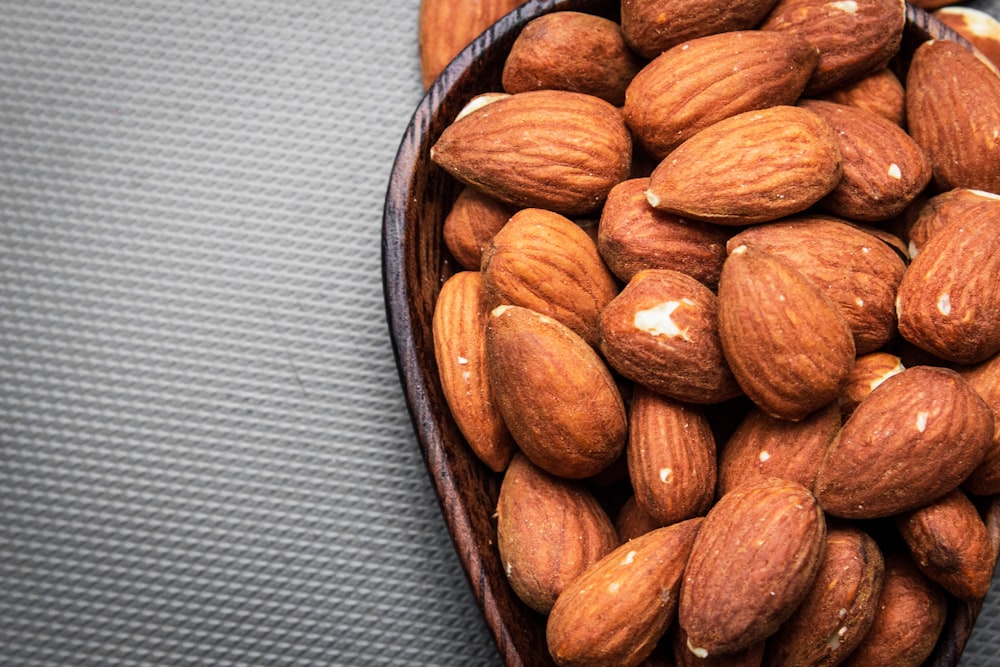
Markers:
point(728, 324)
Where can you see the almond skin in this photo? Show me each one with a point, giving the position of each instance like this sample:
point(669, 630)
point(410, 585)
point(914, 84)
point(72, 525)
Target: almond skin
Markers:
point(661, 331)
point(880, 93)
point(671, 458)
point(753, 562)
point(763, 446)
point(947, 302)
point(953, 112)
point(474, 219)
point(704, 80)
point(633, 521)
point(683, 657)
point(543, 261)
point(942, 209)
point(884, 168)
point(911, 614)
point(651, 30)
point(840, 607)
point(555, 394)
point(571, 51)
point(459, 331)
point(549, 531)
point(787, 343)
point(854, 39)
point(848, 264)
point(617, 611)
point(985, 379)
point(550, 149)
point(633, 236)
point(913, 440)
point(752, 167)
point(950, 544)
point(870, 370)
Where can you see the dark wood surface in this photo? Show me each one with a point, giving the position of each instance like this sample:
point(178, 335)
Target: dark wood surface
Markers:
point(415, 263)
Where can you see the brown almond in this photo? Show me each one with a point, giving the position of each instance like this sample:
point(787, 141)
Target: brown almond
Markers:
point(550, 149)
point(702, 81)
point(787, 343)
point(985, 379)
point(573, 51)
point(880, 93)
point(981, 29)
point(752, 656)
point(947, 207)
point(633, 521)
point(870, 370)
point(473, 220)
point(752, 167)
point(752, 564)
point(555, 394)
point(459, 331)
point(661, 331)
point(617, 611)
point(913, 440)
point(549, 532)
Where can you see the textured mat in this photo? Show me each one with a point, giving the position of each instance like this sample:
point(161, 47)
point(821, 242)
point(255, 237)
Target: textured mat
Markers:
point(204, 454)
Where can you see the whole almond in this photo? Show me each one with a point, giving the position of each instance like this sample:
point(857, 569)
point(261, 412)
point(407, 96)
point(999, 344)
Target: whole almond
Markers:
point(702, 81)
point(763, 446)
point(950, 544)
point(985, 379)
point(661, 331)
point(942, 209)
point(913, 440)
point(980, 28)
point(617, 611)
point(911, 613)
point(752, 656)
point(473, 220)
point(870, 370)
point(753, 562)
point(549, 149)
point(839, 608)
point(555, 394)
point(545, 262)
point(880, 93)
point(671, 457)
point(884, 168)
point(847, 263)
point(633, 236)
point(633, 521)
point(459, 331)
point(572, 51)
point(549, 532)
point(752, 167)
point(651, 29)
point(947, 302)
point(854, 38)
point(953, 112)
point(786, 342)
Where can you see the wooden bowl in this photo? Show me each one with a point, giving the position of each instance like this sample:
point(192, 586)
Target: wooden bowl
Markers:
point(415, 263)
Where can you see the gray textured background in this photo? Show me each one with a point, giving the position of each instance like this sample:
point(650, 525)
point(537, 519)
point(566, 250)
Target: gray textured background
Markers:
point(204, 453)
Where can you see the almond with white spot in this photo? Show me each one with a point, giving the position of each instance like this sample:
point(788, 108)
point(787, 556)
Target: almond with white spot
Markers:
point(671, 457)
point(945, 208)
point(661, 332)
point(618, 610)
point(913, 440)
point(980, 28)
point(549, 532)
point(752, 656)
point(870, 370)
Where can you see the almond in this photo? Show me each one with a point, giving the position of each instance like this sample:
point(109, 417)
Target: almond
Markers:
point(702, 81)
point(848, 264)
point(473, 220)
point(651, 28)
point(545, 262)
point(751, 167)
point(549, 532)
point(840, 607)
point(617, 611)
point(947, 302)
point(981, 29)
point(459, 331)
point(671, 458)
point(884, 168)
point(549, 149)
point(880, 93)
point(911, 614)
point(763, 446)
point(913, 440)
point(633, 236)
point(683, 657)
point(945, 208)
point(633, 521)
point(855, 38)
point(950, 544)
point(661, 331)
point(572, 51)
point(753, 562)
point(953, 112)
point(870, 370)
point(985, 379)
point(786, 342)
point(555, 394)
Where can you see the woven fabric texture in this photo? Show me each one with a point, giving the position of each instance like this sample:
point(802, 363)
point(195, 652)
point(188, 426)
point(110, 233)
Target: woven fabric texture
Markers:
point(205, 458)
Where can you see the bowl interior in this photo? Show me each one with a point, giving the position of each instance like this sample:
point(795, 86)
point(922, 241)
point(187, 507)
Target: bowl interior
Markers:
point(415, 263)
